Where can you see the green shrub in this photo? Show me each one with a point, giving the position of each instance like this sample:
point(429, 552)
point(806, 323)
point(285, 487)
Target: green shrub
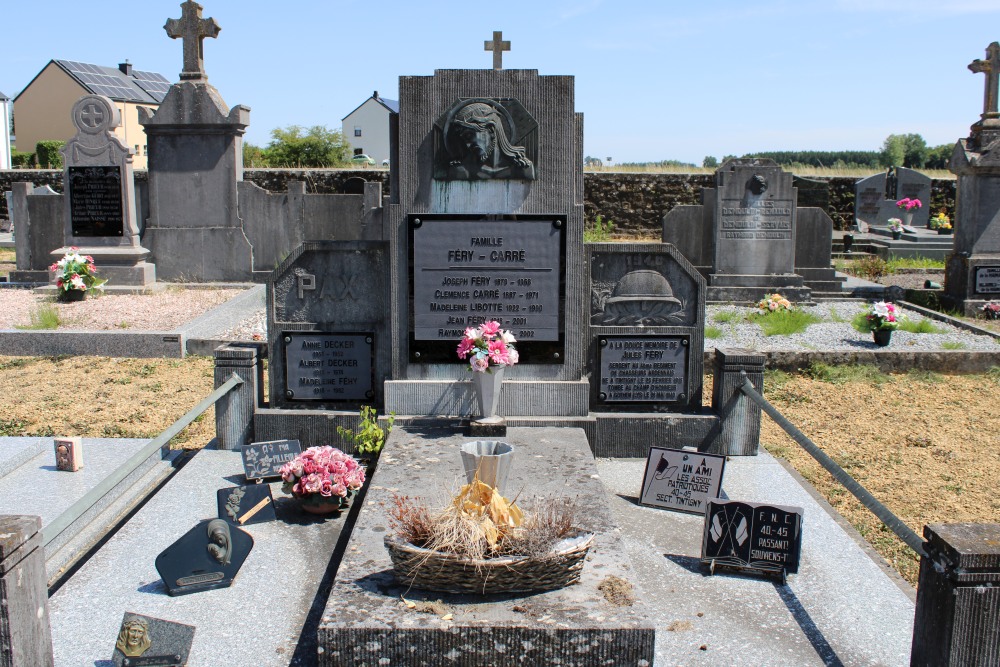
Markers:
point(48, 154)
point(369, 437)
point(713, 332)
point(784, 322)
point(21, 160)
point(870, 267)
point(920, 327)
point(599, 232)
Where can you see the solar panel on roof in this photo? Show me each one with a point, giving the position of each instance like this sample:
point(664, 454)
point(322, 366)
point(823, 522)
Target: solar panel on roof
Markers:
point(156, 85)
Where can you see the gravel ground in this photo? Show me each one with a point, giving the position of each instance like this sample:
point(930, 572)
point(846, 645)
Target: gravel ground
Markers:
point(163, 311)
point(835, 333)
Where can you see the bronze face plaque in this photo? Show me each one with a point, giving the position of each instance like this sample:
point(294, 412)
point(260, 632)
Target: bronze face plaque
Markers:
point(151, 642)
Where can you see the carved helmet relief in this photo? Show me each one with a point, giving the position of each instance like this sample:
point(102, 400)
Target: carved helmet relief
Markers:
point(640, 298)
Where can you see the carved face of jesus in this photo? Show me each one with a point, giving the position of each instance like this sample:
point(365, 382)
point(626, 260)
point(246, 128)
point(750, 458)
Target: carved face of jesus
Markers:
point(478, 142)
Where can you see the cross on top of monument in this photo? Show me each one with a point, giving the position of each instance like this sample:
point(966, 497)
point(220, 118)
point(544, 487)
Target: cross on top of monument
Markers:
point(497, 45)
point(192, 28)
point(991, 68)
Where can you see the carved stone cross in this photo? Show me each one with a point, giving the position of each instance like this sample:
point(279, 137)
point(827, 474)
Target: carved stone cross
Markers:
point(497, 45)
point(92, 116)
point(991, 68)
point(192, 29)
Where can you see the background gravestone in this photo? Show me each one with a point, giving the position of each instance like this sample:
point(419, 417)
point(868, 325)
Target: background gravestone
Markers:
point(99, 199)
point(328, 326)
point(875, 197)
point(38, 216)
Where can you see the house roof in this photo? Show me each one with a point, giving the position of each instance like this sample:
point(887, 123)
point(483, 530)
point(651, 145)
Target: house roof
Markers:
point(2, 96)
point(136, 86)
point(391, 105)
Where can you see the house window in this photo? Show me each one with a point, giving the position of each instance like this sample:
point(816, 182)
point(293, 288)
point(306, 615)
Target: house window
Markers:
point(145, 149)
point(137, 149)
point(357, 130)
point(359, 151)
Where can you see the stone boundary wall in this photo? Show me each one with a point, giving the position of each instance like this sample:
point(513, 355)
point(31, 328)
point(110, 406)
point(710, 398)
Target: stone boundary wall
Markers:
point(635, 202)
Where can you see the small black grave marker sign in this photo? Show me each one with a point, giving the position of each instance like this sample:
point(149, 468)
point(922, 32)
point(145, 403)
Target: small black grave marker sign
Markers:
point(752, 537)
point(207, 557)
point(246, 505)
point(153, 642)
point(262, 460)
point(329, 366)
point(679, 480)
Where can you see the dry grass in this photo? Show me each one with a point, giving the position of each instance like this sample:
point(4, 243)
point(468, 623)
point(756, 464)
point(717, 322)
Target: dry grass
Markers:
point(798, 171)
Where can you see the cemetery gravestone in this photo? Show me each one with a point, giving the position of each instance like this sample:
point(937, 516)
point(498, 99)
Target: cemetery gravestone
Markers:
point(99, 199)
point(875, 197)
point(328, 326)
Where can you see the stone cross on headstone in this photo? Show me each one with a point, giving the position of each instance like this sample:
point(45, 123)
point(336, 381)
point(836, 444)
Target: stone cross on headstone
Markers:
point(497, 45)
point(92, 115)
point(193, 29)
point(991, 68)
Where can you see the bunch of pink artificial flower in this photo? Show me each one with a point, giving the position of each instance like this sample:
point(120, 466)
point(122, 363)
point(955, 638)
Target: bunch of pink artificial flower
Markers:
point(76, 272)
point(488, 344)
point(322, 475)
point(908, 204)
point(883, 315)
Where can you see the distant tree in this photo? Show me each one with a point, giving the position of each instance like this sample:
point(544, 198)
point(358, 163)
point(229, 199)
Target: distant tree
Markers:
point(255, 157)
point(316, 147)
point(904, 150)
point(593, 162)
point(709, 162)
point(939, 157)
point(728, 157)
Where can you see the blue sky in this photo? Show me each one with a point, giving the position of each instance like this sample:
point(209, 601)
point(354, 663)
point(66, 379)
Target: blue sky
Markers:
point(654, 80)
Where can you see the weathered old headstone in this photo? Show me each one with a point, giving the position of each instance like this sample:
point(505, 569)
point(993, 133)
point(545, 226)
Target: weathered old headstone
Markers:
point(99, 198)
point(647, 324)
point(37, 217)
point(875, 197)
point(972, 273)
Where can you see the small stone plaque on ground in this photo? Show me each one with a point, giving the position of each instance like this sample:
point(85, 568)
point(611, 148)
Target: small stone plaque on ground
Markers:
point(262, 460)
point(69, 453)
point(643, 369)
point(144, 640)
point(329, 366)
point(988, 279)
point(752, 537)
point(246, 505)
point(95, 201)
point(679, 480)
point(207, 557)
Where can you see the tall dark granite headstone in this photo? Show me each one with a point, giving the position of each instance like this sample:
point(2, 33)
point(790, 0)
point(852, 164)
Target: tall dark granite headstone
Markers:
point(875, 197)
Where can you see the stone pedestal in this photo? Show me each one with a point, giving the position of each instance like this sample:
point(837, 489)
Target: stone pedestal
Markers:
point(234, 412)
point(957, 620)
point(25, 632)
point(740, 426)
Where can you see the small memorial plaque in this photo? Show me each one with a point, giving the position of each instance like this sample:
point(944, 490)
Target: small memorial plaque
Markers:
point(95, 201)
point(466, 271)
point(152, 642)
point(208, 556)
point(683, 481)
point(263, 459)
point(752, 537)
point(69, 453)
point(643, 369)
point(329, 366)
point(246, 505)
point(988, 279)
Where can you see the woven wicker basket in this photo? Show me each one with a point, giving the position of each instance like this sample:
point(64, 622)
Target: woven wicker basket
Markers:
point(448, 573)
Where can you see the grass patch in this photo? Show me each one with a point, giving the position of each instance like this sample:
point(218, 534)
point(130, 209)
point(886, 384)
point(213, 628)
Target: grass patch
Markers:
point(994, 374)
point(43, 316)
point(869, 267)
point(862, 373)
point(784, 322)
point(12, 427)
point(918, 262)
point(836, 317)
point(728, 316)
point(713, 332)
point(599, 232)
point(920, 327)
point(953, 345)
point(927, 377)
point(16, 362)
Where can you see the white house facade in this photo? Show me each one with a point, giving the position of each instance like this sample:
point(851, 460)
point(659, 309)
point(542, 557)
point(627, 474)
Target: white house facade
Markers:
point(4, 132)
point(366, 128)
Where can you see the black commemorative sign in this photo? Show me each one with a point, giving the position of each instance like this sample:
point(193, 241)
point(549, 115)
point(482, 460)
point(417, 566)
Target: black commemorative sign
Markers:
point(988, 279)
point(95, 201)
point(329, 366)
point(752, 537)
point(262, 460)
point(466, 270)
point(643, 369)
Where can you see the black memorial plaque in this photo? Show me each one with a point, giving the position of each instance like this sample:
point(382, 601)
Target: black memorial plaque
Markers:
point(466, 270)
point(988, 280)
point(262, 460)
point(679, 480)
point(207, 557)
point(246, 505)
point(643, 369)
point(95, 201)
point(329, 366)
point(752, 537)
point(145, 641)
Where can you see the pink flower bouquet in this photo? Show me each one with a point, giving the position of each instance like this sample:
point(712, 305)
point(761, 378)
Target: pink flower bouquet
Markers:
point(488, 344)
point(76, 272)
point(908, 204)
point(883, 315)
point(322, 475)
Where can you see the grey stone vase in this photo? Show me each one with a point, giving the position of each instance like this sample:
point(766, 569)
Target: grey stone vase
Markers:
point(491, 459)
point(487, 388)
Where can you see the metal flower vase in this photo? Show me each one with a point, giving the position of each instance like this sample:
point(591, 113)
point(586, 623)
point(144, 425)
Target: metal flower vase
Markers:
point(489, 460)
point(487, 387)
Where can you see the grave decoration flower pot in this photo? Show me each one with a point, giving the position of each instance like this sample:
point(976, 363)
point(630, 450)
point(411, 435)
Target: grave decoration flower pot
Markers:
point(71, 295)
point(489, 461)
point(74, 275)
point(322, 479)
point(897, 235)
point(482, 544)
point(944, 230)
point(489, 350)
point(882, 337)
point(882, 318)
point(908, 206)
